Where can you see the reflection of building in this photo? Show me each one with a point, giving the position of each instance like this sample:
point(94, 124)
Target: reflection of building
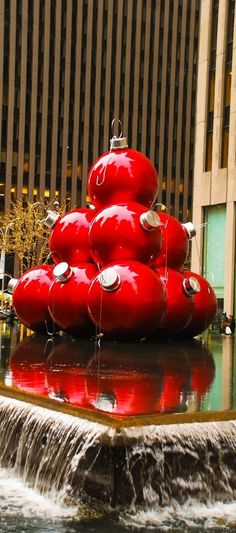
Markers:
point(69, 67)
point(214, 198)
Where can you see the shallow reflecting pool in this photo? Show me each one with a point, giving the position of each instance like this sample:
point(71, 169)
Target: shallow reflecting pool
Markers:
point(120, 379)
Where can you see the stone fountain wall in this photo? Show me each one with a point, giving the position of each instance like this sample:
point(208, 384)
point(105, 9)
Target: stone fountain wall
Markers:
point(151, 465)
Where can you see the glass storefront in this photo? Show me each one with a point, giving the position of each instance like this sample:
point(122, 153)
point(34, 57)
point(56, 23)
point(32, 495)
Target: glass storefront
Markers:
point(214, 249)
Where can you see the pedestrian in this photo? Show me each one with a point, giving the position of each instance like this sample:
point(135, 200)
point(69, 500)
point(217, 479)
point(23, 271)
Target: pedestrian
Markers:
point(223, 323)
point(231, 321)
point(10, 316)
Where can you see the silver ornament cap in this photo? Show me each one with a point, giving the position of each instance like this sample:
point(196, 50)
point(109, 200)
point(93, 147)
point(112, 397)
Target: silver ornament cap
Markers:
point(190, 228)
point(150, 220)
point(191, 285)
point(11, 285)
point(62, 272)
point(51, 218)
point(118, 142)
point(109, 279)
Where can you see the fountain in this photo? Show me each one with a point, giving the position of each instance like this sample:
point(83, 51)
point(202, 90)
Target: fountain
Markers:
point(127, 466)
point(121, 426)
point(108, 409)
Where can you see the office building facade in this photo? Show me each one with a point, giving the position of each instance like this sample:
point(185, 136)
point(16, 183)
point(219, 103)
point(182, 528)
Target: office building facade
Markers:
point(214, 196)
point(69, 67)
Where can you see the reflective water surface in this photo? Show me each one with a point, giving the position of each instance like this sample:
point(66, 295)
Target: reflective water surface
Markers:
point(121, 380)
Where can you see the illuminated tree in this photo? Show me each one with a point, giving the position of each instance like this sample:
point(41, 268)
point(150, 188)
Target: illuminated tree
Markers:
point(22, 233)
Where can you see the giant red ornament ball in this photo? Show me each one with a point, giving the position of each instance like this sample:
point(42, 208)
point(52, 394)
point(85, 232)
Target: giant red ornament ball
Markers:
point(125, 231)
point(67, 298)
point(30, 298)
point(175, 242)
point(205, 307)
point(122, 175)
point(127, 300)
point(180, 302)
point(68, 240)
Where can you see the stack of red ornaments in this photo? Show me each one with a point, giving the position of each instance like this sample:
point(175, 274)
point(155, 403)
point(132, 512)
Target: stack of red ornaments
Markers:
point(117, 267)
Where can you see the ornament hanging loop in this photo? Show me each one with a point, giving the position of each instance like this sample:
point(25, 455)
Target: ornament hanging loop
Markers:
point(113, 128)
point(120, 141)
point(116, 143)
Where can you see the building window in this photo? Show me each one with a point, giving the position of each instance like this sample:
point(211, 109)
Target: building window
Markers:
point(227, 87)
point(211, 93)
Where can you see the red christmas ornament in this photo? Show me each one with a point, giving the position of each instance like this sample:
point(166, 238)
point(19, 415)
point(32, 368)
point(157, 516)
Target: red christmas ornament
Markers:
point(28, 365)
point(127, 231)
point(122, 175)
point(205, 307)
point(180, 302)
point(67, 298)
point(127, 300)
point(69, 237)
point(30, 298)
point(175, 241)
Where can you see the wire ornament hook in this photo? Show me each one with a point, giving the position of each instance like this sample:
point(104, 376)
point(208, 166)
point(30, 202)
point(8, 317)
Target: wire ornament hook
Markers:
point(113, 127)
point(115, 143)
point(100, 182)
point(159, 204)
point(50, 256)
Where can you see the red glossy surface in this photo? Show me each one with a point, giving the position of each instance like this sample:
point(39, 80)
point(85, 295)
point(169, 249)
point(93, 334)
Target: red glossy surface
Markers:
point(52, 368)
point(122, 175)
point(121, 379)
point(128, 382)
point(69, 237)
point(179, 307)
point(68, 386)
point(202, 373)
point(123, 393)
point(116, 234)
point(134, 309)
point(205, 307)
point(30, 298)
point(67, 302)
point(175, 243)
point(65, 352)
point(188, 368)
point(28, 366)
point(177, 373)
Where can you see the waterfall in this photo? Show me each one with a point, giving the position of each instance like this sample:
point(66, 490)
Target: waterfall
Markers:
point(53, 452)
point(131, 467)
point(178, 462)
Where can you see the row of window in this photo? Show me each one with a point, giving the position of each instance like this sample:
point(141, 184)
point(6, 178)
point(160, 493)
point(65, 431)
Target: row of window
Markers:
point(105, 64)
point(227, 85)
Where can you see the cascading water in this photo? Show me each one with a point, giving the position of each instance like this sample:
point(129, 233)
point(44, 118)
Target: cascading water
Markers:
point(53, 452)
point(151, 467)
point(180, 478)
point(176, 463)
